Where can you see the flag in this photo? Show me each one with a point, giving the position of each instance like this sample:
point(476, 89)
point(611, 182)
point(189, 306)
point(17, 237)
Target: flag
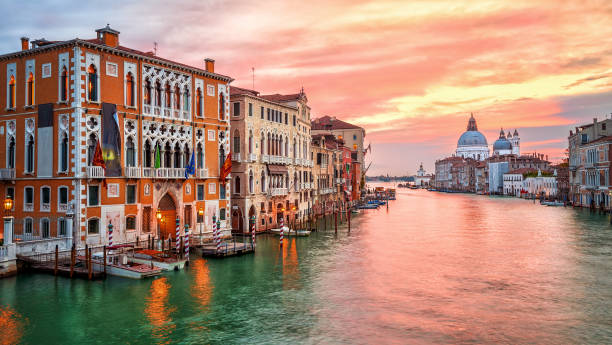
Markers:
point(190, 168)
point(157, 163)
point(226, 168)
point(98, 160)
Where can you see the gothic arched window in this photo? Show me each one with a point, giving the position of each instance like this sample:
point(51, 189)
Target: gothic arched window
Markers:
point(30, 89)
point(129, 89)
point(92, 83)
point(64, 85)
point(11, 98)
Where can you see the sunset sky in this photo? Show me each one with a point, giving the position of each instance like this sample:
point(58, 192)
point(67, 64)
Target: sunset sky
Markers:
point(409, 72)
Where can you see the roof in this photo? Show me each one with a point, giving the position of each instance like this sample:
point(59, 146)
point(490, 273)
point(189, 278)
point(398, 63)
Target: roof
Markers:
point(235, 90)
point(331, 123)
point(522, 171)
point(282, 98)
point(602, 139)
point(46, 45)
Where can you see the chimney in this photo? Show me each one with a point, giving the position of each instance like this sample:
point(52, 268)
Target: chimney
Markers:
point(25, 43)
point(210, 65)
point(108, 36)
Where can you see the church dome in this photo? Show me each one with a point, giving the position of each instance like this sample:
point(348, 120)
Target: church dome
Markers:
point(472, 138)
point(502, 144)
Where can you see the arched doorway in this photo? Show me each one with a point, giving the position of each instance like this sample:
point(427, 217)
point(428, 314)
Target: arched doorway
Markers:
point(167, 223)
point(252, 217)
point(237, 221)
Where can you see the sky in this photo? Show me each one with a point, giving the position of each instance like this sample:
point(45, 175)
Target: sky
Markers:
point(409, 72)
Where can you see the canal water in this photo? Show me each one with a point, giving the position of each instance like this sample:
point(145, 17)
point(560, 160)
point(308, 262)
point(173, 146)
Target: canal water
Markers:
point(433, 268)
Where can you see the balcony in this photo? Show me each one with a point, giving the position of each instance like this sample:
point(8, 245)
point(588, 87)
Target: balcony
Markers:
point(177, 113)
point(202, 173)
point(278, 191)
point(7, 174)
point(28, 207)
point(252, 157)
point(45, 207)
point(265, 158)
point(131, 172)
point(167, 112)
point(94, 172)
point(62, 208)
point(170, 173)
point(236, 157)
point(147, 109)
point(186, 115)
point(339, 180)
point(148, 172)
point(156, 111)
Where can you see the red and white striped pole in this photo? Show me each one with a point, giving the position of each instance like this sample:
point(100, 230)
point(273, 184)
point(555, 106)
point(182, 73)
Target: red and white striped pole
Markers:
point(187, 241)
point(253, 232)
point(215, 235)
point(110, 234)
point(218, 234)
point(282, 230)
point(178, 234)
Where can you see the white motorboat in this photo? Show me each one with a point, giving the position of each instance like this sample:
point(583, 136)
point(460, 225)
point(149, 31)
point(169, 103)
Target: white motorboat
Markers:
point(159, 259)
point(290, 232)
point(119, 263)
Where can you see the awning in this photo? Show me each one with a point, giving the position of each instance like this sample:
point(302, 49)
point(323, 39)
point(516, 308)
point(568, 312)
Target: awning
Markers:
point(277, 169)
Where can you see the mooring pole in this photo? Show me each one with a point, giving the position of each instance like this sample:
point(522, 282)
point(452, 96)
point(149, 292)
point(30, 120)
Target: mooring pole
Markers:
point(104, 262)
point(72, 258)
point(89, 266)
point(348, 215)
point(336, 220)
point(86, 256)
point(56, 255)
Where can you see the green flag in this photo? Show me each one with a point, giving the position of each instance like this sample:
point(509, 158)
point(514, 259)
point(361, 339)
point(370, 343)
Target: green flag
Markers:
point(157, 158)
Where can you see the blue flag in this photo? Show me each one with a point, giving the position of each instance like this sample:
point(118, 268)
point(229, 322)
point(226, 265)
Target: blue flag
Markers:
point(190, 168)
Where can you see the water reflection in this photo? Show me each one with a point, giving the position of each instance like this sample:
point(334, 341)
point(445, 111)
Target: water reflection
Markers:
point(202, 288)
point(290, 264)
point(158, 312)
point(11, 328)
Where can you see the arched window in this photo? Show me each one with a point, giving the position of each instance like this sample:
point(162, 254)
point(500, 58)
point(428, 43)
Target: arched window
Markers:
point(286, 153)
point(186, 155)
point(168, 96)
point(177, 156)
point(237, 185)
point(186, 100)
point(28, 226)
point(294, 148)
point(92, 84)
point(30, 90)
point(63, 153)
point(199, 102)
point(221, 106)
point(261, 144)
point(251, 183)
point(167, 156)
point(64, 85)
point(263, 181)
point(129, 89)
point(92, 142)
point(236, 141)
point(44, 228)
point(30, 155)
point(147, 154)
point(147, 92)
point(11, 95)
point(268, 146)
point(250, 141)
point(130, 156)
point(11, 154)
point(158, 94)
point(280, 146)
point(200, 157)
point(177, 98)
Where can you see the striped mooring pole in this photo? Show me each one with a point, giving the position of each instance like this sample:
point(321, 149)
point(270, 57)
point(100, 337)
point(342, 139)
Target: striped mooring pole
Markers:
point(282, 230)
point(178, 235)
point(187, 241)
point(110, 234)
point(215, 235)
point(253, 231)
point(218, 234)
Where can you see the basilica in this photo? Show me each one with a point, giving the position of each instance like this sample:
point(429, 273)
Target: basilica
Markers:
point(473, 144)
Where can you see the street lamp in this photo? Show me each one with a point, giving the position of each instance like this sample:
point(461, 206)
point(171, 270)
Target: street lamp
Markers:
point(201, 214)
point(8, 221)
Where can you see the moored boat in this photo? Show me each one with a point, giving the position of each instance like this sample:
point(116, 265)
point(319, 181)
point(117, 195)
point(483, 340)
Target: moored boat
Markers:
point(120, 263)
point(552, 203)
point(159, 259)
point(290, 232)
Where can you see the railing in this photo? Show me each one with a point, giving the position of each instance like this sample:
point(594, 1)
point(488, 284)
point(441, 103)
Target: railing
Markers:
point(186, 115)
point(156, 111)
point(278, 191)
point(339, 180)
point(202, 172)
point(177, 114)
point(46, 207)
point(236, 156)
point(323, 165)
point(94, 172)
point(28, 207)
point(252, 157)
point(167, 112)
point(265, 158)
point(147, 109)
point(7, 174)
point(131, 172)
point(62, 207)
point(148, 172)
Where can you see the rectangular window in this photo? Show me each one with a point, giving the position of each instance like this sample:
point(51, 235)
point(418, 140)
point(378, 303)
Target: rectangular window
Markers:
point(93, 226)
point(212, 188)
point(111, 69)
point(286, 118)
point(46, 195)
point(250, 109)
point(62, 225)
point(222, 214)
point(262, 113)
point(210, 90)
point(130, 223)
point(46, 70)
point(63, 195)
point(221, 191)
point(200, 192)
point(294, 121)
point(10, 193)
point(92, 195)
point(268, 113)
point(211, 135)
point(130, 194)
point(29, 195)
point(236, 108)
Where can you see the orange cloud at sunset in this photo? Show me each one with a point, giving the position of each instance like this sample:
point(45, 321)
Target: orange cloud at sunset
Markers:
point(408, 72)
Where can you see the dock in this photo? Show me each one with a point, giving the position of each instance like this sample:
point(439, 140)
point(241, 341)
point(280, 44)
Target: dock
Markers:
point(227, 249)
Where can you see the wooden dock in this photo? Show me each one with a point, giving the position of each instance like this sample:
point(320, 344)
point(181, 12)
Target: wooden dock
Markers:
point(227, 249)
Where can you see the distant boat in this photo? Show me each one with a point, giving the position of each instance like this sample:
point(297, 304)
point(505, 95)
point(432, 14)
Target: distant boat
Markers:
point(552, 203)
point(289, 232)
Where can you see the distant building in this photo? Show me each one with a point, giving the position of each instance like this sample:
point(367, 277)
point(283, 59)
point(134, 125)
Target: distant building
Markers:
point(472, 143)
point(352, 135)
point(422, 179)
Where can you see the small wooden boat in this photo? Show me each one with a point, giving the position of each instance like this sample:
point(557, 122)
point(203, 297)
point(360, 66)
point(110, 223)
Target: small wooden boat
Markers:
point(289, 232)
point(165, 261)
point(120, 263)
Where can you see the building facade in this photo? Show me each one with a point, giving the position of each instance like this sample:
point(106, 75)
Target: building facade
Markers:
point(271, 165)
point(147, 116)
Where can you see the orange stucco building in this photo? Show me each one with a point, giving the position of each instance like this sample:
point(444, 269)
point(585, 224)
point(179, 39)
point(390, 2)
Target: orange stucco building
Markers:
point(150, 116)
